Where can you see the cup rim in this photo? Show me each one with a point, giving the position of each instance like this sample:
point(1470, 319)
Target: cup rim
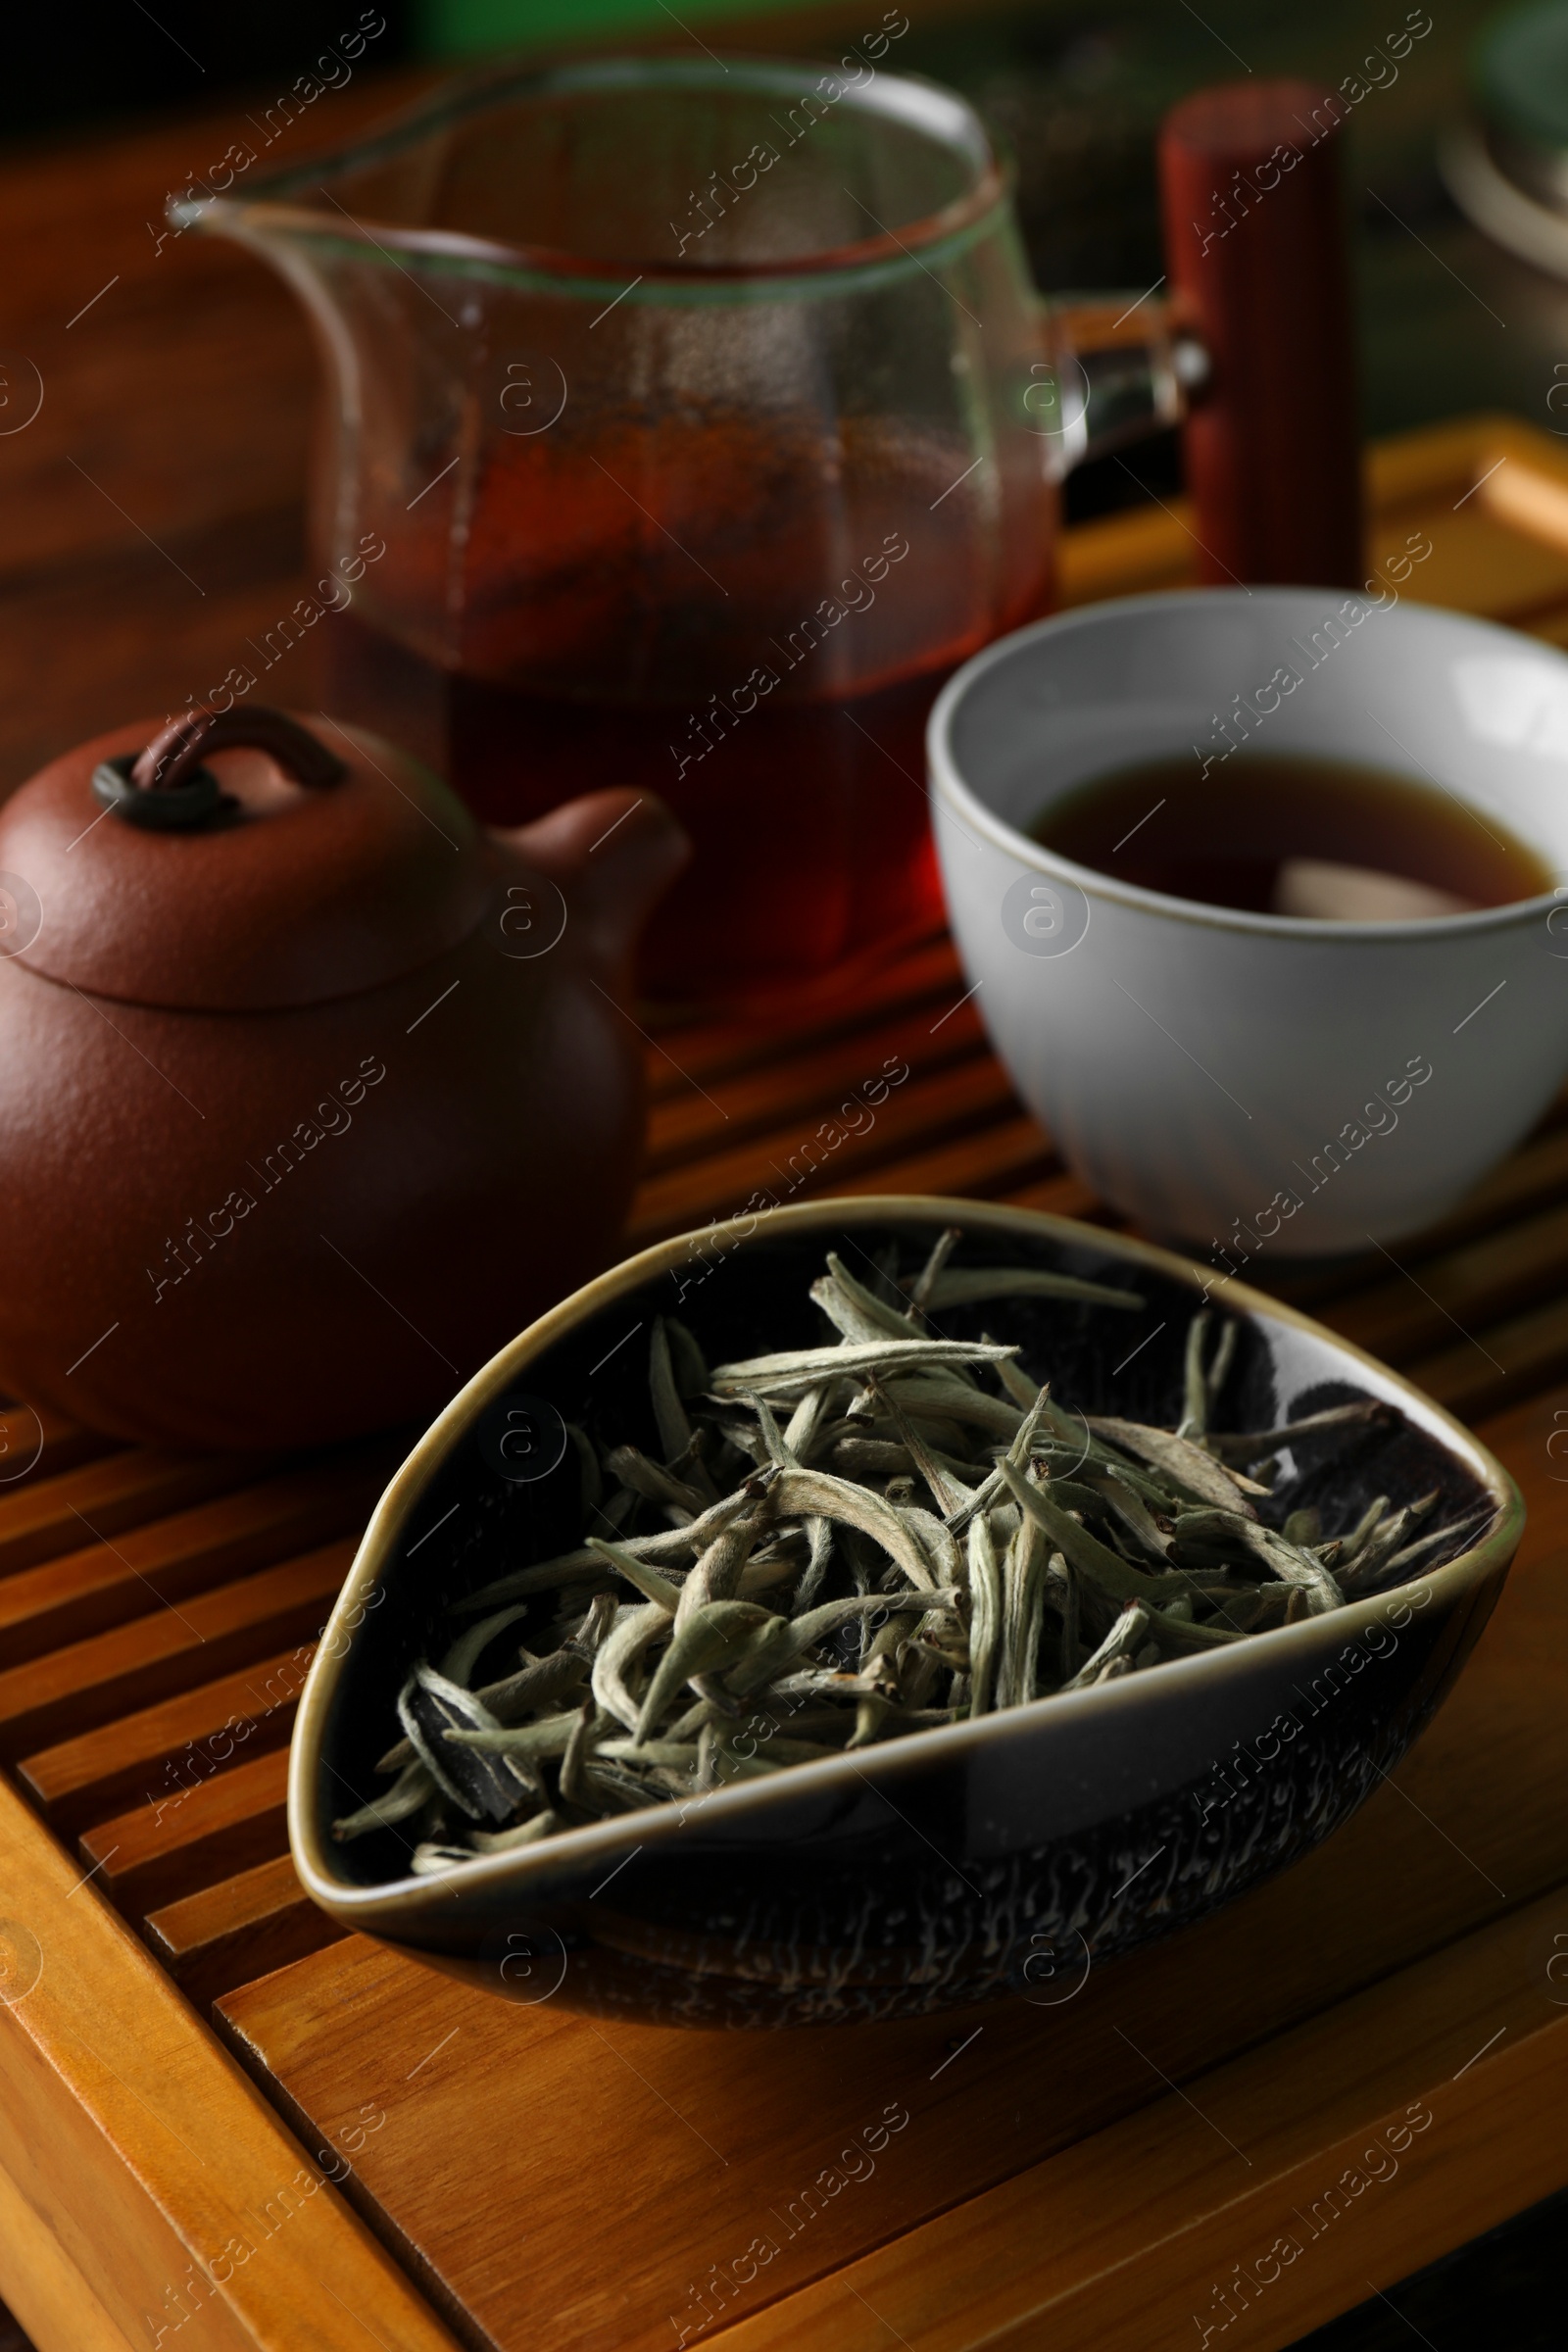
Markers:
point(270, 203)
point(967, 809)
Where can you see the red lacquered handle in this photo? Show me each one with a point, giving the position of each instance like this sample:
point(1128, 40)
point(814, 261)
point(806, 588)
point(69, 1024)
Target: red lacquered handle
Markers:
point(1254, 240)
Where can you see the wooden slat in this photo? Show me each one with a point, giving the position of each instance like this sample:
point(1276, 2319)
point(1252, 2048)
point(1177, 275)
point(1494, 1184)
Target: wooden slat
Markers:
point(85, 1683)
point(809, 1088)
point(150, 1753)
point(1434, 2134)
point(723, 1045)
point(1128, 554)
point(990, 1163)
point(133, 2144)
point(54, 1515)
point(191, 1837)
point(1434, 461)
point(1474, 1376)
point(1501, 556)
point(238, 1929)
point(1467, 1290)
point(921, 1109)
point(1486, 558)
point(38, 1443)
point(47, 2288)
point(86, 1589)
point(1063, 1195)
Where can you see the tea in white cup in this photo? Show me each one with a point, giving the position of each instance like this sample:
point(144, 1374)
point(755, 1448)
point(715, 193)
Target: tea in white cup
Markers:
point(1317, 1052)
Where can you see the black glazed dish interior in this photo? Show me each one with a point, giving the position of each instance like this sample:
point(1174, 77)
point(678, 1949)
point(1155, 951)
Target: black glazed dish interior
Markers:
point(958, 1863)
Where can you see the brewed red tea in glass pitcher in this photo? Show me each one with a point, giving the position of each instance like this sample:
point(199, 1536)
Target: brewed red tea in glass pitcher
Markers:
point(709, 419)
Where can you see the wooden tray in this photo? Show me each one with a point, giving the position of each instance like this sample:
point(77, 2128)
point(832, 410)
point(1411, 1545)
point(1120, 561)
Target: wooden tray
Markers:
point(355, 2152)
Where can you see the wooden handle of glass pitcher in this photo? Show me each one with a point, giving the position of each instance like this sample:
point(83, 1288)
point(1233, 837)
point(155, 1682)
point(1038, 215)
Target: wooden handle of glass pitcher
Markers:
point(1259, 274)
point(1249, 348)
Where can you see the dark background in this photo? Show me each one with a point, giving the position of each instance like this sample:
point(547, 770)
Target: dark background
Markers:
point(112, 62)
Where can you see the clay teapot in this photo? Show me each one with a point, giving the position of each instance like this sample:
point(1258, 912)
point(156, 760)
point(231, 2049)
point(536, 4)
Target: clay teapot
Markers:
point(311, 1090)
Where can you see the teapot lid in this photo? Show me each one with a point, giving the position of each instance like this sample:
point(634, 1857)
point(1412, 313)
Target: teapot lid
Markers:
point(240, 862)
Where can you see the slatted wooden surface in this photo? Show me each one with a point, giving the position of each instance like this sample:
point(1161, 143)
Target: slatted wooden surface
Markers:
point(547, 2182)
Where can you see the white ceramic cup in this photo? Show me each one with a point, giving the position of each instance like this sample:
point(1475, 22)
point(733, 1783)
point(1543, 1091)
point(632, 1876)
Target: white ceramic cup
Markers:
point(1244, 1081)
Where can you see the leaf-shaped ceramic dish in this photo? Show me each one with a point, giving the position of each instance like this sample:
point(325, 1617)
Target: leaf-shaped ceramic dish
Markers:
point(972, 1859)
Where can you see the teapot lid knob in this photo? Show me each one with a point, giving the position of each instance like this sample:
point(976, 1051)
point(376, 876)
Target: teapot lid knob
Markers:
point(166, 786)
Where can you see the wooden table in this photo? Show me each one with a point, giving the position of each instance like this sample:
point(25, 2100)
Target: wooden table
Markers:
point(1084, 2175)
point(222, 2125)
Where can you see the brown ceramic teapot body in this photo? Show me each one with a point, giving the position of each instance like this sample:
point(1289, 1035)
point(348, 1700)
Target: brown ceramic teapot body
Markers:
point(307, 1108)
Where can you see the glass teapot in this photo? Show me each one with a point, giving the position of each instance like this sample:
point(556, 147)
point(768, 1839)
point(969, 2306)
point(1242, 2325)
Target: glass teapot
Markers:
point(691, 421)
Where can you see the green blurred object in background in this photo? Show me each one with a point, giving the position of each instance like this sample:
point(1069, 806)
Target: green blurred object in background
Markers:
point(1521, 80)
point(1508, 167)
point(457, 28)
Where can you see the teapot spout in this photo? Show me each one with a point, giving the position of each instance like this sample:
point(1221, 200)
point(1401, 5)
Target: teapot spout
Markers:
point(612, 855)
